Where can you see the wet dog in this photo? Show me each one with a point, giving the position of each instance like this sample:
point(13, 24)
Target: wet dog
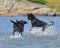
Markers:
point(18, 26)
point(37, 23)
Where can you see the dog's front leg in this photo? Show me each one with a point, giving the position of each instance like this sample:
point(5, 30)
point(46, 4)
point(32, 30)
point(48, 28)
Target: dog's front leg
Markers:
point(30, 29)
point(14, 32)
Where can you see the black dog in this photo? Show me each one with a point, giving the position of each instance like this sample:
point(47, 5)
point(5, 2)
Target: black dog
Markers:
point(37, 23)
point(18, 26)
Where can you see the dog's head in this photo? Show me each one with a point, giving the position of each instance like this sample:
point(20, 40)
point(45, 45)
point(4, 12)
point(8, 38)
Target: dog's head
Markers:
point(30, 16)
point(23, 22)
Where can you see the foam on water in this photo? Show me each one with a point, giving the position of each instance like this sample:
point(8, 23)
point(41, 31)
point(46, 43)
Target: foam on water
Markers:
point(16, 36)
point(48, 31)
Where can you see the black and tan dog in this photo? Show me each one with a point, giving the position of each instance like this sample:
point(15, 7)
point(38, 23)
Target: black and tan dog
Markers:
point(18, 26)
point(37, 23)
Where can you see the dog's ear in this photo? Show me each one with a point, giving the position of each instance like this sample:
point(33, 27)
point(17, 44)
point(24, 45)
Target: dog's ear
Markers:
point(17, 20)
point(23, 22)
point(31, 13)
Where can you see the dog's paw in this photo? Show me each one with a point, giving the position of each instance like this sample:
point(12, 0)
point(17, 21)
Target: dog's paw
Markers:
point(29, 29)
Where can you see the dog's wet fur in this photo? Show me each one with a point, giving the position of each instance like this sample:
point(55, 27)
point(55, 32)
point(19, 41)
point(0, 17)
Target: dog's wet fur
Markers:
point(18, 26)
point(36, 22)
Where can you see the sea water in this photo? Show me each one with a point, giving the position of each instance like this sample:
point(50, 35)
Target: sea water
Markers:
point(36, 38)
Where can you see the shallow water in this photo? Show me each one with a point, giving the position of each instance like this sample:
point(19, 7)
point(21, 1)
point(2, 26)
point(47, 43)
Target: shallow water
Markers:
point(30, 39)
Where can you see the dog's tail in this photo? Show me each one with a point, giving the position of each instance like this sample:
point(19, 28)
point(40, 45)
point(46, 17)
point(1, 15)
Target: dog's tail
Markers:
point(12, 21)
point(52, 23)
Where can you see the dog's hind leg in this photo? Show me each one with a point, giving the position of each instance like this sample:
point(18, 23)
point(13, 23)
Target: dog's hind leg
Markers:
point(43, 28)
point(21, 34)
point(30, 29)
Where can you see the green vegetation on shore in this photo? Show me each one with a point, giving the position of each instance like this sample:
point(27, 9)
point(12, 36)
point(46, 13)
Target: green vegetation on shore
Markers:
point(38, 1)
point(18, 0)
point(53, 4)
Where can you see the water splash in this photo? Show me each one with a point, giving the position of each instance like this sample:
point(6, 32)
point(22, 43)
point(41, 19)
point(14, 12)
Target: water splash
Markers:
point(48, 31)
point(16, 36)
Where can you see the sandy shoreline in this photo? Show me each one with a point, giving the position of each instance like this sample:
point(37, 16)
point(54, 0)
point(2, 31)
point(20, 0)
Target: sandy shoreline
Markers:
point(25, 13)
point(24, 7)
